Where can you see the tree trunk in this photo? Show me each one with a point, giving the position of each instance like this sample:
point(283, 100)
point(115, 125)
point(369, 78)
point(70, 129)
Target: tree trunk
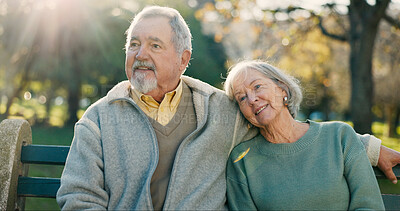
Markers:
point(73, 104)
point(361, 82)
point(397, 119)
point(390, 117)
point(74, 91)
point(364, 20)
point(23, 83)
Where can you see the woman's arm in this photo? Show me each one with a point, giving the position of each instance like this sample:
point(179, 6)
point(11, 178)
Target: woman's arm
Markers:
point(364, 189)
point(237, 189)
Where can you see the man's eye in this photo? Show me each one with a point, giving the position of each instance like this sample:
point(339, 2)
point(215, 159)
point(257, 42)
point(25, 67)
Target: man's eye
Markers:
point(134, 44)
point(156, 46)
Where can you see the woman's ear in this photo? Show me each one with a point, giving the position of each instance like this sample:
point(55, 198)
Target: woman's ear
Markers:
point(285, 89)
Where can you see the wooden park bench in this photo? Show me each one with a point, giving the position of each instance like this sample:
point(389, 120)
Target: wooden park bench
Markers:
point(17, 152)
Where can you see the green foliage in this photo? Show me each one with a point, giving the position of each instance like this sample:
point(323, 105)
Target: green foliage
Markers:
point(208, 57)
point(73, 50)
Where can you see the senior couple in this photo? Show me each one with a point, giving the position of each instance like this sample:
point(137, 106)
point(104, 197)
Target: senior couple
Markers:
point(166, 141)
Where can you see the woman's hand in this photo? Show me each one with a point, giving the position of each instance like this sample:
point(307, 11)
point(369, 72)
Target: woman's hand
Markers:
point(388, 158)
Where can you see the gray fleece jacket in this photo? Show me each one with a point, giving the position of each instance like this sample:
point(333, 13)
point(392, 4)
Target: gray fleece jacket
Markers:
point(114, 154)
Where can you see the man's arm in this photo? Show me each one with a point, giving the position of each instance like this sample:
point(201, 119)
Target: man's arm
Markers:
point(387, 160)
point(382, 157)
point(82, 181)
point(372, 146)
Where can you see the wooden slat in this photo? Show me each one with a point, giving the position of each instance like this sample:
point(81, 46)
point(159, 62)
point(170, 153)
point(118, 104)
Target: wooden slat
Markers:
point(379, 174)
point(44, 154)
point(38, 187)
point(392, 202)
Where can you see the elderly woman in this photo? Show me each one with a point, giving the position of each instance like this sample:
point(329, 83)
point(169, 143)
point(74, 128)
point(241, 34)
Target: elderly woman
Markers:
point(292, 164)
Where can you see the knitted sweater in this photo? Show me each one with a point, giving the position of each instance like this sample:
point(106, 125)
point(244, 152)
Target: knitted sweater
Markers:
point(325, 169)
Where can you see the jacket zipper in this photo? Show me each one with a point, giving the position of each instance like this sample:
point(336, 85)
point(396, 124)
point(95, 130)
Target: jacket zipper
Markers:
point(179, 152)
point(149, 199)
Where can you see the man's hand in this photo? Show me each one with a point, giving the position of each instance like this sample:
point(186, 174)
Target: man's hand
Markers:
point(388, 158)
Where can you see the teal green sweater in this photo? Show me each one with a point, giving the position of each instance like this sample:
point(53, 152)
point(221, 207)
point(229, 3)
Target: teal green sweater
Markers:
point(325, 169)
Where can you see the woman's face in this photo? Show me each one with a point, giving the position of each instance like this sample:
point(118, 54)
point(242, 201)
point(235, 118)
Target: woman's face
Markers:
point(259, 98)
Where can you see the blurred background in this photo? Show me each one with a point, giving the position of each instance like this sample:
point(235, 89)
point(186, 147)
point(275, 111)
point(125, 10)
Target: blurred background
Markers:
point(57, 57)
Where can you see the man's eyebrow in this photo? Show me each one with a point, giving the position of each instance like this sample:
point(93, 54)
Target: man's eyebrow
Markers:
point(156, 39)
point(134, 38)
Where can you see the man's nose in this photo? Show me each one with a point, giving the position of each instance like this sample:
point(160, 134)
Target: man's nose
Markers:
point(142, 53)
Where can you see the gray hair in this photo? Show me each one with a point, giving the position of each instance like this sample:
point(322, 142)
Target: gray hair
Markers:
point(182, 38)
point(286, 82)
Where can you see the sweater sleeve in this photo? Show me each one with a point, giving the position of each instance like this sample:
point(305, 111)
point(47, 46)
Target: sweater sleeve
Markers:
point(238, 193)
point(82, 181)
point(372, 146)
point(363, 187)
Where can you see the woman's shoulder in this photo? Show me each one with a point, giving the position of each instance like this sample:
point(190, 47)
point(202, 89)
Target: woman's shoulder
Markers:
point(244, 147)
point(334, 126)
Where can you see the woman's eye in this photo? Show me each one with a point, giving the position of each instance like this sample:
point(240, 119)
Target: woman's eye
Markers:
point(242, 98)
point(257, 86)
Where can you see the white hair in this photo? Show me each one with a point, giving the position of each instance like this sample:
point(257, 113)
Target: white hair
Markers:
point(182, 38)
point(286, 82)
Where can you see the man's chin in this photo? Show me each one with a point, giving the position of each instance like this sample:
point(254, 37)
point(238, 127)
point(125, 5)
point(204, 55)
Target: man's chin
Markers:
point(144, 86)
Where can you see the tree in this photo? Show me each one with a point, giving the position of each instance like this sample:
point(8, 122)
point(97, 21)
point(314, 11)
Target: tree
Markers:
point(358, 28)
point(69, 45)
point(296, 46)
point(18, 57)
point(361, 34)
point(387, 78)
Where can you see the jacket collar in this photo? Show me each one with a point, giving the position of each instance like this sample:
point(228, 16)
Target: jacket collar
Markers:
point(121, 90)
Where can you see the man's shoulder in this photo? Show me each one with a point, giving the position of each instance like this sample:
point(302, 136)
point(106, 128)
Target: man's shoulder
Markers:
point(205, 89)
point(118, 91)
point(200, 86)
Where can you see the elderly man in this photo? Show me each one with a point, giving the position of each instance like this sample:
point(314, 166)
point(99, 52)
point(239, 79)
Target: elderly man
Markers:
point(160, 140)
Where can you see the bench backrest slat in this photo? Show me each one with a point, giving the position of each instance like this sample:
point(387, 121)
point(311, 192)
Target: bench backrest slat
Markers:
point(38, 187)
point(379, 174)
point(44, 154)
point(392, 202)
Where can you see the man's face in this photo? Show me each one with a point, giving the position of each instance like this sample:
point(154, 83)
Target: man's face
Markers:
point(152, 63)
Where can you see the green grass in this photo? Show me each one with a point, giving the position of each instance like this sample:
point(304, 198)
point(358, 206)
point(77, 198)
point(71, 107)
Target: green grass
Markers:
point(378, 129)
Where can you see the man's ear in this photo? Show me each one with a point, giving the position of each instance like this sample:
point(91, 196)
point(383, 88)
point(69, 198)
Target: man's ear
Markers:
point(185, 58)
